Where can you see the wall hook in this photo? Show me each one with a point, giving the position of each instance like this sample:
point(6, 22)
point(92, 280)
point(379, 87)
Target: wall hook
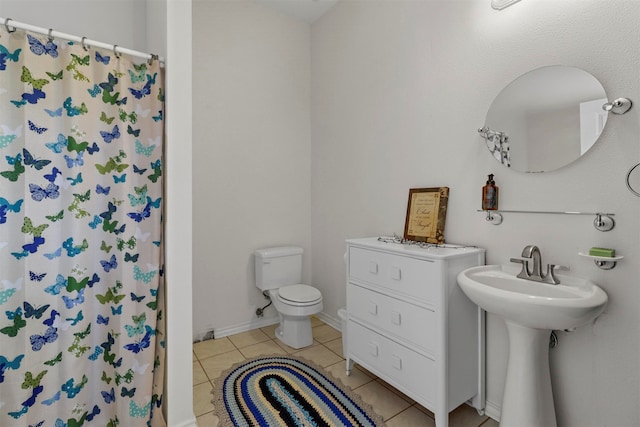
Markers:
point(618, 106)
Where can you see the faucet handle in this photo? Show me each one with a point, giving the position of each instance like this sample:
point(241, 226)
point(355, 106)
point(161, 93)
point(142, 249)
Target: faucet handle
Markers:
point(550, 277)
point(524, 273)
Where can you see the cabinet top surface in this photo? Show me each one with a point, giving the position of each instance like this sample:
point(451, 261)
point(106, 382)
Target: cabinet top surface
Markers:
point(432, 251)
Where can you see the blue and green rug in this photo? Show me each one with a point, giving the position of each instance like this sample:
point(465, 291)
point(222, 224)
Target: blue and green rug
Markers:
point(287, 391)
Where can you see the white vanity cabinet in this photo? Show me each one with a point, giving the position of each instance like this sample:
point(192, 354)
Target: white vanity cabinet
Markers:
point(411, 325)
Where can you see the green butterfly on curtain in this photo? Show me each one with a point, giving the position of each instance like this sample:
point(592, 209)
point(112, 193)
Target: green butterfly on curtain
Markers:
point(157, 173)
point(54, 77)
point(78, 212)
point(112, 227)
point(110, 166)
point(131, 243)
point(110, 296)
point(105, 248)
point(79, 61)
point(55, 360)
point(32, 382)
point(73, 145)
point(74, 285)
point(56, 217)
point(82, 335)
point(132, 117)
point(76, 349)
point(82, 197)
point(29, 228)
point(26, 77)
point(18, 169)
point(107, 120)
point(126, 378)
point(18, 323)
point(77, 75)
point(107, 98)
point(106, 378)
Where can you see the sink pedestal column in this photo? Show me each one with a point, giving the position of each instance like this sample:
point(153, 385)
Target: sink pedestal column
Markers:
point(528, 399)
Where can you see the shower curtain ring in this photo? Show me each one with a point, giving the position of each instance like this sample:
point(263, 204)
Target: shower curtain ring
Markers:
point(49, 34)
point(84, 44)
point(6, 25)
point(152, 57)
point(115, 51)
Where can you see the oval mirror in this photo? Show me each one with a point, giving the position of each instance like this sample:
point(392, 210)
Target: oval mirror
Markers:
point(545, 119)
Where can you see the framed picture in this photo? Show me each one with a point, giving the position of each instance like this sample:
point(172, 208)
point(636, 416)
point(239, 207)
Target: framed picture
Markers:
point(426, 214)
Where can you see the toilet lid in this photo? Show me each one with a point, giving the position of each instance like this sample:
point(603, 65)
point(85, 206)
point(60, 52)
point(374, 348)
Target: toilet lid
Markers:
point(299, 293)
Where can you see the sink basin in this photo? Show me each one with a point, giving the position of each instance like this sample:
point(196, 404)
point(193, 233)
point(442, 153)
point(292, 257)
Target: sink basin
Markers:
point(567, 305)
point(531, 310)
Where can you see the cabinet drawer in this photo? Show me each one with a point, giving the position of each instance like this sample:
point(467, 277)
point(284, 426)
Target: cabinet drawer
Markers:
point(410, 372)
point(410, 276)
point(407, 321)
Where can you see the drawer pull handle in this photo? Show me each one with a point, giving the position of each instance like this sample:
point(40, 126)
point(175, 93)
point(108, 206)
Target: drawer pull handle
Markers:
point(373, 308)
point(396, 362)
point(373, 267)
point(373, 349)
point(396, 273)
point(396, 319)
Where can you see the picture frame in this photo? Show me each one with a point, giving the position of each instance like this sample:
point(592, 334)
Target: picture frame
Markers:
point(426, 214)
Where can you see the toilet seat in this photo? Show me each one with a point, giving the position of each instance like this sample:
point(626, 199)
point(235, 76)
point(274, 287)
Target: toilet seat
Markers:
point(299, 295)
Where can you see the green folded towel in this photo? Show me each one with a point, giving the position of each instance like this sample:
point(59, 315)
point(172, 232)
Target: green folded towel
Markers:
point(603, 252)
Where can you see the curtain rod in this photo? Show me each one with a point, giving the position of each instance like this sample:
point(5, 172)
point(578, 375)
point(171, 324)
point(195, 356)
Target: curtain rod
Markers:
point(11, 25)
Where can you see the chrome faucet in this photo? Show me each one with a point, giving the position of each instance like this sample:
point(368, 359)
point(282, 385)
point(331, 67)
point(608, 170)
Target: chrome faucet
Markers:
point(533, 252)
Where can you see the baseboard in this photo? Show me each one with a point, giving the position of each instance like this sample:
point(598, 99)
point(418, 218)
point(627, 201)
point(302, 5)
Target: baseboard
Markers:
point(189, 423)
point(492, 410)
point(247, 326)
point(261, 323)
point(334, 322)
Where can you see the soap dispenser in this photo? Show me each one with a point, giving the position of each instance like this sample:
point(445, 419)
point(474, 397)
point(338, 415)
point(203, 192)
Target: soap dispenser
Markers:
point(490, 195)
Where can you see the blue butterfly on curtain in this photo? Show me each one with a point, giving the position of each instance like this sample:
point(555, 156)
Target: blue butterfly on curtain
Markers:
point(14, 57)
point(36, 46)
point(38, 341)
point(137, 346)
point(110, 136)
point(110, 264)
point(103, 59)
point(6, 364)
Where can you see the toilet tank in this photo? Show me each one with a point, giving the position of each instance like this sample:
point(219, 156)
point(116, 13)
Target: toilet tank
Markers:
point(278, 266)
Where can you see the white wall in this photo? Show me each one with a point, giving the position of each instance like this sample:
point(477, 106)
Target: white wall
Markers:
point(399, 89)
point(252, 168)
point(144, 26)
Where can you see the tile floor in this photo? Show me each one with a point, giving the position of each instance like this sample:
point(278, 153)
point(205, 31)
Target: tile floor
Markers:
point(212, 357)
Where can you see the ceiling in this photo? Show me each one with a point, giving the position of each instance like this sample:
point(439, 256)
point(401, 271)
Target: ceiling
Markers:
point(307, 10)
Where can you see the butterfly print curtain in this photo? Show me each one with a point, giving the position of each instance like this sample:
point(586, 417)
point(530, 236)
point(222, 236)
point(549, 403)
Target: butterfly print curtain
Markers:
point(81, 332)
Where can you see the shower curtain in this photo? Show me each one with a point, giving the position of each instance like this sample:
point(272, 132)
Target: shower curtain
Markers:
point(81, 135)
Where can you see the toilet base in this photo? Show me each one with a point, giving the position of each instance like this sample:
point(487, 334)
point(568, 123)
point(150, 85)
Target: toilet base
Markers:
point(295, 331)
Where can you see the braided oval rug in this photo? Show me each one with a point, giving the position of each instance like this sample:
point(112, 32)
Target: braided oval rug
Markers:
point(287, 391)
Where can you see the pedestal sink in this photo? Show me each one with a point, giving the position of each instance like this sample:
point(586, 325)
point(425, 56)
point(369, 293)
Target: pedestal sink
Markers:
point(531, 311)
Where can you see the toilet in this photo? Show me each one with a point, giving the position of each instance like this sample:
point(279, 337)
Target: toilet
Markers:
point(279, 273)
